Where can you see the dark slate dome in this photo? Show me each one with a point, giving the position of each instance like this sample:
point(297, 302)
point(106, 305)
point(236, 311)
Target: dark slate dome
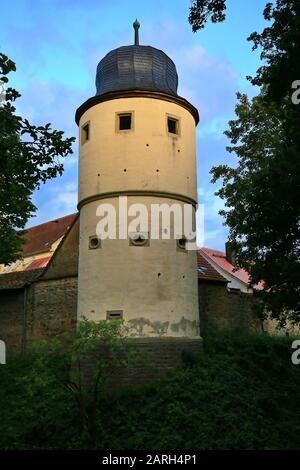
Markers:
point(136, 67)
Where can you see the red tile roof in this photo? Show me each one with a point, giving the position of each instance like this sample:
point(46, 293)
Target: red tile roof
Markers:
point(39, 263)
point(206, 271)
point(39, 239)
point(219, 257)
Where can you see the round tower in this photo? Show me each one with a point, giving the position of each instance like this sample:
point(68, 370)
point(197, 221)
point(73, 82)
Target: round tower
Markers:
point(137, 146)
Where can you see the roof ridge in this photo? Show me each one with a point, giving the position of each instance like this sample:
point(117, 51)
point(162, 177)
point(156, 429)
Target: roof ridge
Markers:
point(52, 220)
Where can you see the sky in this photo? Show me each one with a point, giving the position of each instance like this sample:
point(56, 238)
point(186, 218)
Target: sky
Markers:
point(57, 45)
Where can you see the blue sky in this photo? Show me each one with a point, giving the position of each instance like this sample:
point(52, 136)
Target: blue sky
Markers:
point(57, 44)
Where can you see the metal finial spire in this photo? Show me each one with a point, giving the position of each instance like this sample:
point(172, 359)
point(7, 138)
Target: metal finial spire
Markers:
point(136, 26)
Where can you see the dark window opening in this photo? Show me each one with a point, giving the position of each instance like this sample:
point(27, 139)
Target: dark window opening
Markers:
point(85, 133)
point(114, 314)
point(172, 125)
point(124, 122)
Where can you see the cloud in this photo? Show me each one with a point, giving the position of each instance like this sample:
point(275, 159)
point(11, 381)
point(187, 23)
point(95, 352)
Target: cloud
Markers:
point(55, 199)
point(62, 197)
point(66, 201)
point(214, 233)
point(210, 84)
point(215, 128)
point(43, 102)
point(215, 239)
point(213, 204)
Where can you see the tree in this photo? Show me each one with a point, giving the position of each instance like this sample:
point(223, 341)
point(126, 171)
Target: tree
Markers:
point(262, 208)
point(202, 10)
point(29, 156)
point(262, 192)
point(84, 362)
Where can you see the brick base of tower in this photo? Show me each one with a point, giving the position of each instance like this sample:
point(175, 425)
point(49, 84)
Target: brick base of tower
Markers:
point(155, 357)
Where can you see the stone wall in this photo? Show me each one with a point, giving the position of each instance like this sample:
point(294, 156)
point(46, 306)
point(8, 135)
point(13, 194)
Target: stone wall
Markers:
point(152, 358)
point(11, 319)
point(38, 304)
point(39, 311)
point(51, 308)
point(221, 308)
point(52, 299)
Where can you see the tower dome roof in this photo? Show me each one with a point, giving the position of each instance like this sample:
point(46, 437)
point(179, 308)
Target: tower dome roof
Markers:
point(136, 71)
point(136, 67)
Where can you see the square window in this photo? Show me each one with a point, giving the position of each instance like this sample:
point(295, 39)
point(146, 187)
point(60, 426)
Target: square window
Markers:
point(124, 122)
point(85, 133)
point(173, 125)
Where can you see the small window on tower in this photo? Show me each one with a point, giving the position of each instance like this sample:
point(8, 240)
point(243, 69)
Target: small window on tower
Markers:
point(85, 133)
point(139, 239)
point(125, 122)
point(173, 125)
point(94, 242)
point(181, 244)
point(114, 314)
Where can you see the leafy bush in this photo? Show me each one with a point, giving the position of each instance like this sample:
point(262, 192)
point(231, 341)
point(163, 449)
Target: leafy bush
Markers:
point(241, 393)
point(36, 411)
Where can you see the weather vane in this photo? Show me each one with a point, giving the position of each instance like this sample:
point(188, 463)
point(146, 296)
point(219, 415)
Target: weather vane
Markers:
point(136, 26)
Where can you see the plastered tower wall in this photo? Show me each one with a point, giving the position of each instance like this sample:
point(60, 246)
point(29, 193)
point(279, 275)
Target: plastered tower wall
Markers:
point(145, 158)
point(154, 286)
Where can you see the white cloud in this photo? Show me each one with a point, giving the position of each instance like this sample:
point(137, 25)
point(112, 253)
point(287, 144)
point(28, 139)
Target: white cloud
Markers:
point(210, 84)
point(213, 204)
point(53, 202)
point(64, 201)
point(215, 127)
point(214, 231)
point(214, 239)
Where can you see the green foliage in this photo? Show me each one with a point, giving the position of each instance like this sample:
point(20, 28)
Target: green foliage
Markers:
point(81, 361)
point(29, 156)
point(261, 197)
point(262, 192)
point(279, 44)
point(203, 10)
point(36, 411)
point(241, 393)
